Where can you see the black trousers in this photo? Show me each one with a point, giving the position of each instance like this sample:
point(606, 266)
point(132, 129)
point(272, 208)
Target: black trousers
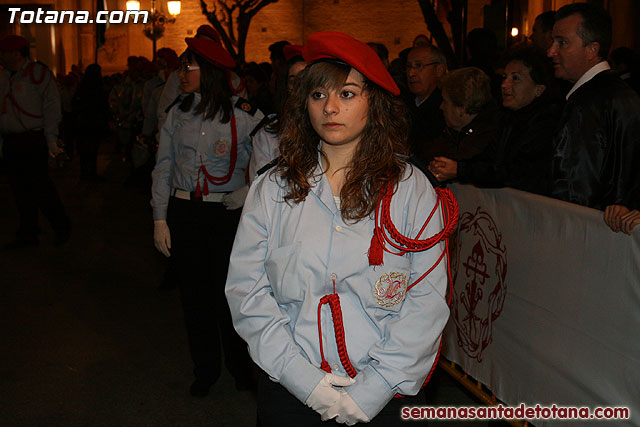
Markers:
point(202, 235)
point(26, 156)
point(88, 151)
point(279, 408)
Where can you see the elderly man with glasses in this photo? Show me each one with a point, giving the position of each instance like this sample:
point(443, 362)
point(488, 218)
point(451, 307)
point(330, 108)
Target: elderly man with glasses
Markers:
point(425, 66)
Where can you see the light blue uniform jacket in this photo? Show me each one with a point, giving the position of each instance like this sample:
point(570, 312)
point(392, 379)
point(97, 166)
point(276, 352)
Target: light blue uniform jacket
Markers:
point(187, 141)
point(284, 260)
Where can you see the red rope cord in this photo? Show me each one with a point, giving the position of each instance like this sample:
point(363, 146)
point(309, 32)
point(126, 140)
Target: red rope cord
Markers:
point(336, 315)
point(450, 212)
point(445, 200)
point(220, 180)
point(31, 71)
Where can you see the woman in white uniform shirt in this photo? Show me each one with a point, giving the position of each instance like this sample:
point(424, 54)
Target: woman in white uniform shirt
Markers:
point(306, 238)
point(203, 153)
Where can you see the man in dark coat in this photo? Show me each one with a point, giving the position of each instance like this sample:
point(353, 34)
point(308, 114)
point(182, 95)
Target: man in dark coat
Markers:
point(425, 66)
point(597, 146)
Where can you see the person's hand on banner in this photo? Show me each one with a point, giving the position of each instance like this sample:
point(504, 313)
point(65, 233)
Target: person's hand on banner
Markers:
point(621, 218)
point(443, 168)
point(629, 220)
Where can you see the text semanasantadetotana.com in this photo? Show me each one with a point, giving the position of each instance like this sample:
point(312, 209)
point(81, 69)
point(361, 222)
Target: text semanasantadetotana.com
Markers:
point(508, 412)
point(41, 16)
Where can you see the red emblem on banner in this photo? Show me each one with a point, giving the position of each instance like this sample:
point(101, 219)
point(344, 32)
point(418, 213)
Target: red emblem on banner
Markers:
point(390, 289)
point(480, 269)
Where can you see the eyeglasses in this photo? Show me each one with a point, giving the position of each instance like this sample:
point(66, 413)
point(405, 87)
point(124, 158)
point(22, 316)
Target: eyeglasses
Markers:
point(419, 66)
point(185, 68)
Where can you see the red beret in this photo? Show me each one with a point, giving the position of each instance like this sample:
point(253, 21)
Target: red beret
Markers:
point(343, 47)
point(169, 55)
point(291, 50)
point(12, 42)
point(209, 31)
point(211, 50)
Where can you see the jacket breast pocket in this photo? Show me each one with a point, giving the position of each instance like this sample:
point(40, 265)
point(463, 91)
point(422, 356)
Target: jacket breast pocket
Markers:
point(388, 284)
point(283, 272)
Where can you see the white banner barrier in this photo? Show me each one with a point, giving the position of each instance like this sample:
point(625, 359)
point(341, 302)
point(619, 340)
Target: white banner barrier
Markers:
point(546, 306)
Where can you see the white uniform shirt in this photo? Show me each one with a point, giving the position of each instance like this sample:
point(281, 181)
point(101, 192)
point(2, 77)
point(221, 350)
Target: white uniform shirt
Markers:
point(187, 141)
point(284, 260)
point(266, 147)
point(35, 104)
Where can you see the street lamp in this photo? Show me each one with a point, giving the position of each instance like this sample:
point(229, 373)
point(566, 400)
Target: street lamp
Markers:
point(154, 29)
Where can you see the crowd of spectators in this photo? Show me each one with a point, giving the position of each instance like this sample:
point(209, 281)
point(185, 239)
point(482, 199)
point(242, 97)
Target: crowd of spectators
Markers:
point(525, 117)
point(503, 119)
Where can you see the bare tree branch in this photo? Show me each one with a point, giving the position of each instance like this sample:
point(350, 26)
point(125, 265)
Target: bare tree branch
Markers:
point(231, 19)
point(437, 31)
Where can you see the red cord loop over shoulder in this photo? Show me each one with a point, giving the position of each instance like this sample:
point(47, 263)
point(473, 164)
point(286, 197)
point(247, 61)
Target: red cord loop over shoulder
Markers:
point(383, 226)
point(220, 180)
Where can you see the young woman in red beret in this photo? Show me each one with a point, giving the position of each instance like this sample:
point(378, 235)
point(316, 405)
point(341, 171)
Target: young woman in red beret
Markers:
point(203, 152)
point(321, 280)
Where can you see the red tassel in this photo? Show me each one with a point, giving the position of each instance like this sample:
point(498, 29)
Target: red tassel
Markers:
point(325, 366)
point(206, 187)
point(376, 251)
point(198, 192)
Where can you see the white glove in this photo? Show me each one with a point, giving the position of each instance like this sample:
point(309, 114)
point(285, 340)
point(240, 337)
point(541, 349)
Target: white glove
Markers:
point(162, 237)
point(324, 396)
point(347, 411)
point(235, 199)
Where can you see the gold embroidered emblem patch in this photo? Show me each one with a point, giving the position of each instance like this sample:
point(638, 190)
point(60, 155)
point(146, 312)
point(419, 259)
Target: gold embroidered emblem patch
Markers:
point(221, 148)
point(390, 289)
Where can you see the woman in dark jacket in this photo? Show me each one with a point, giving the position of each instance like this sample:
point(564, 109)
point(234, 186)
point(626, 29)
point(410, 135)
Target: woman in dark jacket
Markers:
point(91, 110)
point(470, 114)
point(520, 156)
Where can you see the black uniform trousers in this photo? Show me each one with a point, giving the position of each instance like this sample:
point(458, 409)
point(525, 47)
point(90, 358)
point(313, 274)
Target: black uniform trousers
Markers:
point(26, 156)
point(279, 408)
point(202, 235)
point(88, 151)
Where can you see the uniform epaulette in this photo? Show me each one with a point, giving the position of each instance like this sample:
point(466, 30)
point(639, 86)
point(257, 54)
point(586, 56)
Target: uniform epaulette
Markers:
point(175, 101)
point(245, 106)
point(268, 166)
point(266, 120)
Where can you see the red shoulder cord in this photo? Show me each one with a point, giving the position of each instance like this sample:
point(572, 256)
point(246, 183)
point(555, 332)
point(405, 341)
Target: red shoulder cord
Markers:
point(450, 213)
point(240, 87)
point(30, 71)
point(220, 180)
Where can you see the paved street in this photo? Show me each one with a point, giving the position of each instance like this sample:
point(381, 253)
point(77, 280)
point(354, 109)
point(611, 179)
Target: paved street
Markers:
point(87, 337)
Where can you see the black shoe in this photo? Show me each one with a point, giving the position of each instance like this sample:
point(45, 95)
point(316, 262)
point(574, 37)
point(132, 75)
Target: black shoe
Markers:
point(62, 237)
point(21, 243)
point(200, 388)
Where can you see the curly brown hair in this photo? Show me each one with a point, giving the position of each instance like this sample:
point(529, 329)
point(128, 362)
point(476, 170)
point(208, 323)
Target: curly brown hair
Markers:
point(376, 162)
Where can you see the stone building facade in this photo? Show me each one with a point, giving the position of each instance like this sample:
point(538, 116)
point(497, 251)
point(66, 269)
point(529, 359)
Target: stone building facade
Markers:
point(392, 22)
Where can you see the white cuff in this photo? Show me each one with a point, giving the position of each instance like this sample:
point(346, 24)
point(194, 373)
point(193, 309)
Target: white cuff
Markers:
point(370, 392)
